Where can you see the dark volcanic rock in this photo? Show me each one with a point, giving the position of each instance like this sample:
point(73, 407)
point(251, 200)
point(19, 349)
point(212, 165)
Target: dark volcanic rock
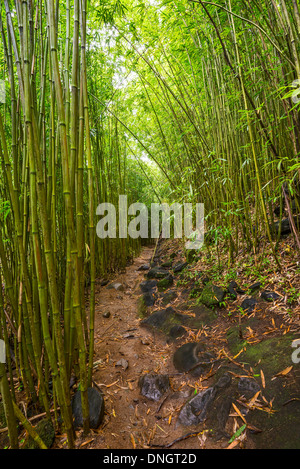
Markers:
point(149, 299)
point(144, 267)
point(165, 283)
point(254, 287)
point(248, 387)
point(96, 407)
point(186, 358)
point(168, 297)
point(212, 295)
point(232, 290)
point(116, 286)
point(46, 432)
point(196, 409)
point(249, 305)
point(164, 319)
point(179, 267)
point(177, 331)
point(158, 273)
point(154, 386)
point(148, 285)
point(269, 296)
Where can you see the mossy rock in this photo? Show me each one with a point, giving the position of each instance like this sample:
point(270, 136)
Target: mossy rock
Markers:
point(142, 307)
point(281, 429)
point(203, 316)
point(46, 431)
point(165, 283)
point(165, 320)
point(191, 255)
point(169, 297)
point(212, 295)
point(157, 273)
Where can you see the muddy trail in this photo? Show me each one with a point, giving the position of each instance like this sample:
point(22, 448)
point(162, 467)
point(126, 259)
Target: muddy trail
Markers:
point(182, 369)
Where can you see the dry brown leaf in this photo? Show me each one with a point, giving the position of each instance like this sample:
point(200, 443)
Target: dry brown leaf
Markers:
point(253, 400)
point(233, 444)
point(132, 441)
point(263, 381)
point(239, 412)
point(285, 372)
point(86, 443)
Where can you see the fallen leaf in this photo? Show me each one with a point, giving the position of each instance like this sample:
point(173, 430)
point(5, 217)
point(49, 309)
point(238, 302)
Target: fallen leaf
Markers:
point(86, 443)
point(239, 412)
point(132, 441)
point(285, 372)
point(263, 381)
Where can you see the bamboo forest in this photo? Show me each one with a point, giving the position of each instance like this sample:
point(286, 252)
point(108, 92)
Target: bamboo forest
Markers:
point(150, 226)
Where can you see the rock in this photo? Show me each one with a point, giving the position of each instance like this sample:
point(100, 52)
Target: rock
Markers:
point(146, 301)
point(269, 296)
point(158, 273)
point(104, 283)
point(203, 315)
point(187, 356)
point(142, 309)
point(123, 363)
point(166, 265)
point(196, 409)
point(144, 267)
point(212, 295)
point(106, 314)
point(165, 282)
point(164, 318)
point(168, 297)
point(283, 226)
point(222, 412)
point(116, 286)
point(149, 299)
point(96, 408)
point(273, 355)
point(249, 304)
point(248, 387)
point(179, 267)
point(46, 432)
point(185, 359)
point(190, 255)
point(177, 331)
point(148, 285)
point(254, 287)
point(154, 386)
point(232, 290)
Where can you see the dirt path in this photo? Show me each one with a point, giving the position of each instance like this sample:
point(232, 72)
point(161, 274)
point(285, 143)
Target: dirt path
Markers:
point(125, 351)
point(132, 421)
